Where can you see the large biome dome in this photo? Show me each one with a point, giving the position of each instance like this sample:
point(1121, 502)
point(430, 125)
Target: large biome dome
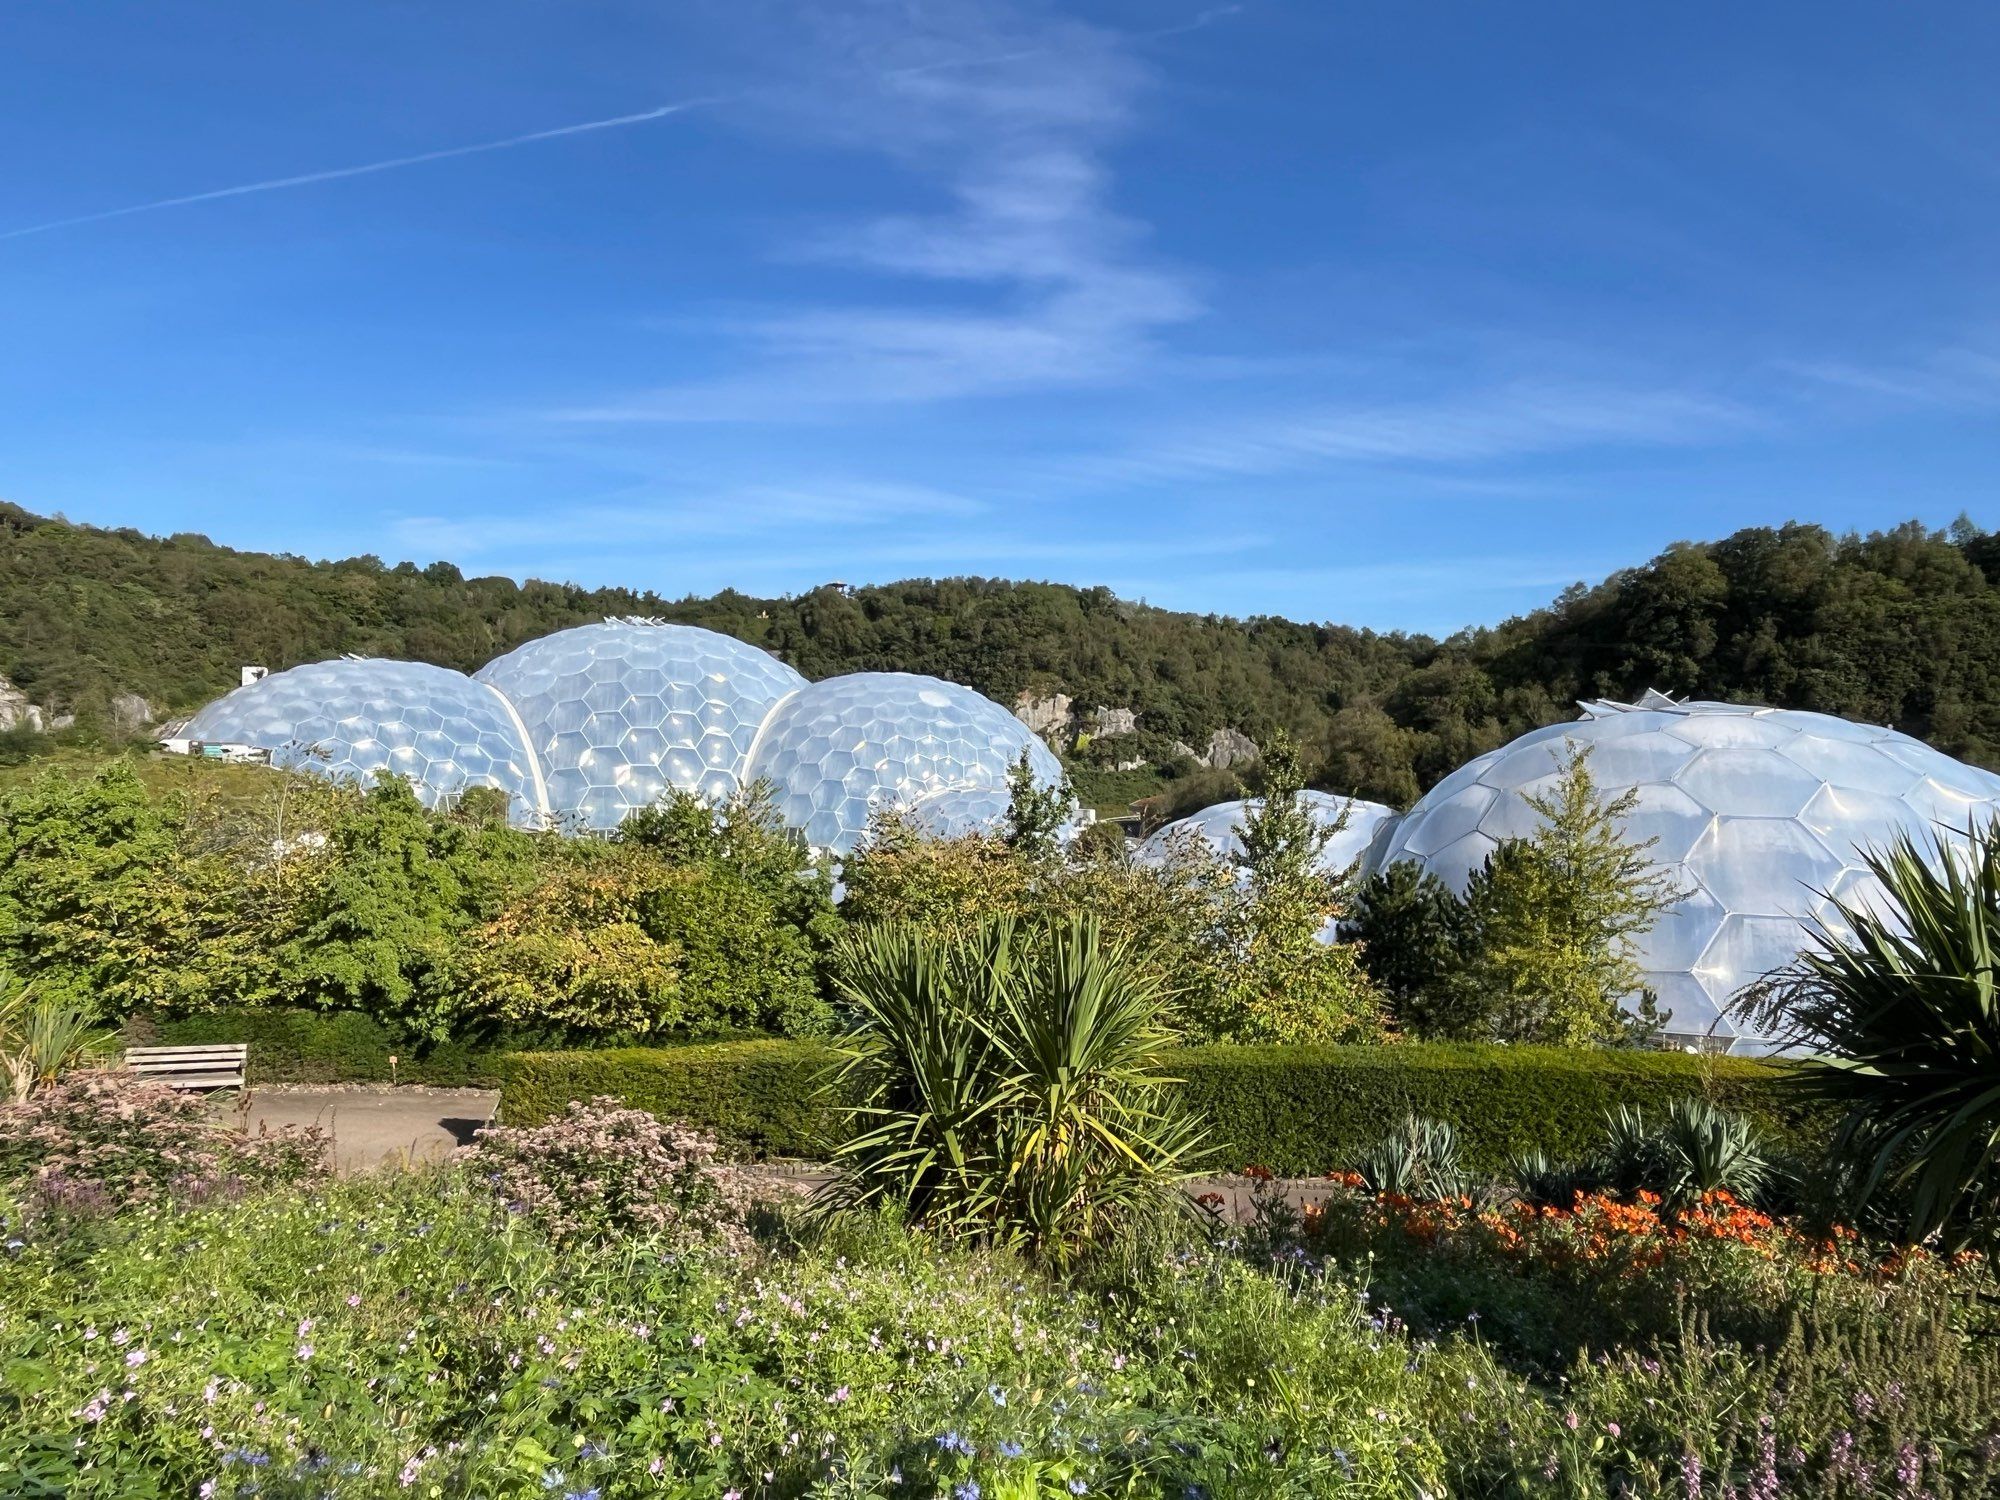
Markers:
point(623, 711)
point(1759, 814)
point(1221, 827)
point(836, 750)
point(351, 718)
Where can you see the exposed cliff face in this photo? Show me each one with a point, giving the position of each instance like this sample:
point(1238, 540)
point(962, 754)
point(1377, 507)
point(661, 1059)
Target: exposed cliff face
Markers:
point(129, 713)
point(1057, 719)
point(1049, 717)
point(16, 712)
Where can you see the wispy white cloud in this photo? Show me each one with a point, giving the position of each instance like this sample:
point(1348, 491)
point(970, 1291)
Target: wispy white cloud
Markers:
point(1959, 377)
point(1514, 421)
point(363, 169)
point(766, 513)
point(1029, 279)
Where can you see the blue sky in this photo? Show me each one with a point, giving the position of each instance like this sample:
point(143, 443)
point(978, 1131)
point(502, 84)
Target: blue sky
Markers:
point(1404, 316)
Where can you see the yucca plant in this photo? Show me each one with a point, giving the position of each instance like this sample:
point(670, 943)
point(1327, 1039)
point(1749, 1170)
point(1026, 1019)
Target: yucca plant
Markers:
point(1898, 1004)
point(42, 1037)
point(1418, 1159)
point(1006, 1087)
point(1542, 1181)
point(1702, 1149)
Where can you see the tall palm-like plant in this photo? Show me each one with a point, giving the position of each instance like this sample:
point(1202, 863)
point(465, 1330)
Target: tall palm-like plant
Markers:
point(1900, 1002)
point(43, 1037)
point(1006, 1087)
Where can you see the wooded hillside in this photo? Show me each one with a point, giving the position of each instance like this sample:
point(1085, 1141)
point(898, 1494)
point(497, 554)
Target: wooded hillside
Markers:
point(1900, 627)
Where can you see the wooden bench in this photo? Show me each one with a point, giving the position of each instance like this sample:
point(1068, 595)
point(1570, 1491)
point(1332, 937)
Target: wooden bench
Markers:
point(221, 1066)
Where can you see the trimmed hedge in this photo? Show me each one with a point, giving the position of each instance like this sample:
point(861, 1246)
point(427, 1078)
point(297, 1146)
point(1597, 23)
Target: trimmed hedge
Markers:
point(760, 1098)
point(309, 1046)
point(1296, 1110)
point(1302, 1110)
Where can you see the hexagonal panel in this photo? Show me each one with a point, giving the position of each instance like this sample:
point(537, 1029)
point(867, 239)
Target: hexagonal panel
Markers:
point(627, 709)
point(837, 749)
point(1748, 783)
point(1221, 828)
point(348, 719)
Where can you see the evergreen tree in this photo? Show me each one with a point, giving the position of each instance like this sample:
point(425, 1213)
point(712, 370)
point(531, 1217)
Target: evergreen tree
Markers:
point(1414, 936)
point(1291, 986)
point(1553, 917)
point(1035, 813)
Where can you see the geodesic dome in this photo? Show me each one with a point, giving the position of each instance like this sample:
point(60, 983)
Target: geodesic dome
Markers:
point(1221, 826)
point(621, 711)
point(836, 750)
point(348, 719)
point(1757, 812)
point(960, 810)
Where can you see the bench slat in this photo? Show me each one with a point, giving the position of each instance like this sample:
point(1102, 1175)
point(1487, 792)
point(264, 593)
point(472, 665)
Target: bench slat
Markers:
point(221, 1049)
point(218, 1065)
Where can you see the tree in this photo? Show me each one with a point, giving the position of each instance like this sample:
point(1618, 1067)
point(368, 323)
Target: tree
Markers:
point(393, 891)
point(1414, 936)
point(1036, 814)
point(1553, 917)
point(1290, 986)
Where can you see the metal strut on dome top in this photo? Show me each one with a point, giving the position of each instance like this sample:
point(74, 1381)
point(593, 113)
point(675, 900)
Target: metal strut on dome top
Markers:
point(635, 620)
point(1599, 708)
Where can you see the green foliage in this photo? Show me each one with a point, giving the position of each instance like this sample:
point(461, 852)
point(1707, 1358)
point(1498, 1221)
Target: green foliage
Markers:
point(761, 1098)
point(1418, 1159)
point(1696, 1149)
point(381, 907)
point(1898, 627)
point(1553, 916)
point(1304, 1110)
point(1035, 813)
point(573, 951)
point(1287, 985)
point(1899, 1000)
point(98, 900)
point(42, 1037)
point(1006, 1088)
point(1415, 938)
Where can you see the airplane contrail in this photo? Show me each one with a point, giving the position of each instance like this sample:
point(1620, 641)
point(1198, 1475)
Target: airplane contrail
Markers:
point(333, 174)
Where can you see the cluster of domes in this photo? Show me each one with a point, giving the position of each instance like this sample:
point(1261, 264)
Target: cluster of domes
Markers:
point(1761, 816)
point(582, 727)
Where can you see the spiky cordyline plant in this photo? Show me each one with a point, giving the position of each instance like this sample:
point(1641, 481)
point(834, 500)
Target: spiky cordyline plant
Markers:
point(1008, 1087)
point(41, 1038)
point(1900, 1003)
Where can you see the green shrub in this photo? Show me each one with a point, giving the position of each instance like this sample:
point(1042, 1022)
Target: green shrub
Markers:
point(1312, 1109)
point(1297, 1110)
point(761, 1098)
point(306, 1046)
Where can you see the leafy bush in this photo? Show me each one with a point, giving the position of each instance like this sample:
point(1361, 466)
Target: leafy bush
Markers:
point(601, 1171)
point(1900, 999)
point(100, 1140)
point(311, 1046)
point(1301, 1110)
point(1006, 1087)
point(760, 1098)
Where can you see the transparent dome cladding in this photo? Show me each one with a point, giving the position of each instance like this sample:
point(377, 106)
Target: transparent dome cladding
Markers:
point(1221, 826)
point(1756, 811)
point(348, 719)
point(621, 712)
point(836, 750)
point(588, 724)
